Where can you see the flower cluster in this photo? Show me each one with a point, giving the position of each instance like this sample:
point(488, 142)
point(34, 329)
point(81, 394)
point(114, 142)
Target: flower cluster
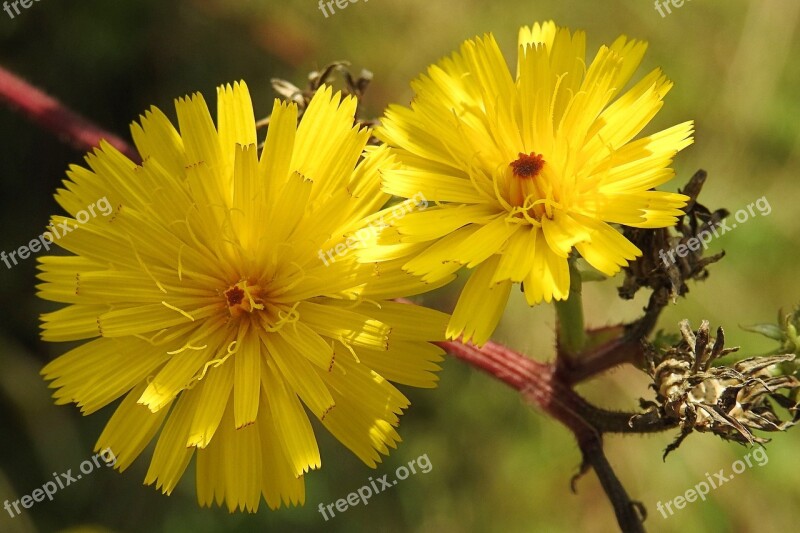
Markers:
point(203, 304)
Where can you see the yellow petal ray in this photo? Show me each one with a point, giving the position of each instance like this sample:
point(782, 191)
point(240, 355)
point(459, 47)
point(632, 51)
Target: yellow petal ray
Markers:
point(147, 318)
point(248, 195)
point(279, 483)
point(405, 362)
point(645, 159)
point(291, 423)
point(177, 374)
point(517, 258)
point(211, 481)
point(364, 416)
point(480, 305)
point(230, 468)
point(607, 250)
point(393, 284)
point(544, 32)
point(372, 252)
point(130, 429)
point(644, 209)
point(439, 259)
point(74, 322)
point(444, 187)
point(399, 127)
point(243, 468)
point(199, 135)
point(562, 232)
point(410, 322)
point(172, 456)
point(549, 276)
point(340, 275)
point(158, 139)
point(289, 210)
point(299, 375)
point(335, 153)
point(247, 378)
point(437, 222)
point(276, 156)
point(75, 286)
point(348, 326)
point(488, 240)
point(307, 342)
point(215, 395)
point(632, 52)
point(97, 373)
point(237, 124)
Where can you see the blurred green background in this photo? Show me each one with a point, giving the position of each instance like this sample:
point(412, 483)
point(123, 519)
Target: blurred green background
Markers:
point(497, 464)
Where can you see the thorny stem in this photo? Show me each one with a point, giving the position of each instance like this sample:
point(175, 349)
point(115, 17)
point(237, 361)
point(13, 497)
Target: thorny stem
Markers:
point(630, 514)
point(626, 348)
point(53, 116)
point(540, 384)
point(544, 385)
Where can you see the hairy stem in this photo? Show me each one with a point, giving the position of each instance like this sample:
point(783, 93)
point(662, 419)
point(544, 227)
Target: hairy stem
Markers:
point(540, 384)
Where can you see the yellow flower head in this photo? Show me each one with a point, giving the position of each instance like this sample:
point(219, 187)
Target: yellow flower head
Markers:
point(526, 168)
point(214, 305)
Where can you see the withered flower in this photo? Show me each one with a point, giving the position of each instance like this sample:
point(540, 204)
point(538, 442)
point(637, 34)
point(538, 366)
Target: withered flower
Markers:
point(728, 400)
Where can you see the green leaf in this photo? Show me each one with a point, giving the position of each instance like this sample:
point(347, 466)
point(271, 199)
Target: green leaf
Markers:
point(772, 331)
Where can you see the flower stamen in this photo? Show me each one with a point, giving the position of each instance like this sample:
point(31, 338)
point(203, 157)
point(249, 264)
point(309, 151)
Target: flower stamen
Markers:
point(528, 166)
point(244, 298)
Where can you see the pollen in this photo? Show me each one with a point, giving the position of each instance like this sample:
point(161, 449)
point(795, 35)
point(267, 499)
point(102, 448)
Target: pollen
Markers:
point(244, 297)
point(235, 295)
point(528, 166)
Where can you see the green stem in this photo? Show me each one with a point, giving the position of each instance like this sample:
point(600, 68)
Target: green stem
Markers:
point(571, 331)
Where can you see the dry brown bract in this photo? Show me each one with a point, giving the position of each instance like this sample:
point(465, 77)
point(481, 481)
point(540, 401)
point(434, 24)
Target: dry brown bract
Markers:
point(729, 401)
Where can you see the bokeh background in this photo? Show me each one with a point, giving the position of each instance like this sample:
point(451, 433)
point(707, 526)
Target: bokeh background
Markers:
point(498, 465)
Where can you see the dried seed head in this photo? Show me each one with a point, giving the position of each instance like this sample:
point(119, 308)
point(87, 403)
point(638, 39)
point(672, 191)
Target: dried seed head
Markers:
point(729, 401)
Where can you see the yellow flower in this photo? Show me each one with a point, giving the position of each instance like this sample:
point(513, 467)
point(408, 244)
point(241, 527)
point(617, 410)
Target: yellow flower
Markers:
point(524, 169)
point(215, 308)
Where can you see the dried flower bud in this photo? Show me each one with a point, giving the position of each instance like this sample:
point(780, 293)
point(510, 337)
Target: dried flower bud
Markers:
point(652, 269)
point(729, 401)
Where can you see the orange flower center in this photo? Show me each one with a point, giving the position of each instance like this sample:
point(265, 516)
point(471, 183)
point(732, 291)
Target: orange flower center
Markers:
point(527, 195)
point(528, 166)
point(244, 297)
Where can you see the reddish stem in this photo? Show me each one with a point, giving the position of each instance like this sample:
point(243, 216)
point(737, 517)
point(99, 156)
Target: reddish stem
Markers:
point(542, 386)
point(53, 116)
point(536, 381)
point(600, 358)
